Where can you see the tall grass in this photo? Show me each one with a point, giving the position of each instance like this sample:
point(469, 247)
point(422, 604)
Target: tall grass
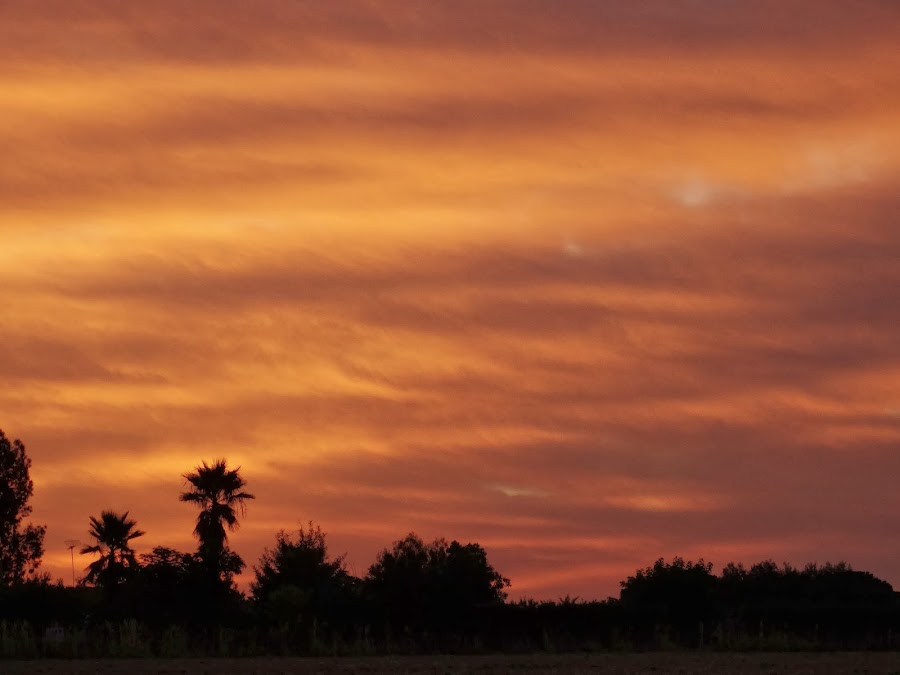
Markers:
point(131, 639)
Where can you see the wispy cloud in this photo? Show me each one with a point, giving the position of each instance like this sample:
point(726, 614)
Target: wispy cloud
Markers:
point(589, 283)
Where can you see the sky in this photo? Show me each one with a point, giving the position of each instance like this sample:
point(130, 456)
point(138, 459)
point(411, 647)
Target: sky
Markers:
point(589, 283)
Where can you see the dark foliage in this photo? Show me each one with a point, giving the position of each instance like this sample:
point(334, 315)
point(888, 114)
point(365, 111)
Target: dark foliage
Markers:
point(21, 546)
point(301, 595)
point(219, 494)
point(831, 603)
point(165, 590)
point(435, 588)
point(112, 533)
point(680, 595)
point(416, 596)
point(301, 562)
point(420, 597)
point(41, 604)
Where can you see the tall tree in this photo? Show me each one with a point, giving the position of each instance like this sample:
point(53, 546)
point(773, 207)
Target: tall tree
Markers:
point(21, 547)
point(219, 494)
point(112, 533)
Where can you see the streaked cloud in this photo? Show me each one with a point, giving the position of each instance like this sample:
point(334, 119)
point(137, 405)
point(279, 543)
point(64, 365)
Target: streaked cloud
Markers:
point(589, 283)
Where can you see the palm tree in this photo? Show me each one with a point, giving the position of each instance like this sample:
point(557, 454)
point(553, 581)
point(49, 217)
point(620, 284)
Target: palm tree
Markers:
point(112, 532)
point(217, 491)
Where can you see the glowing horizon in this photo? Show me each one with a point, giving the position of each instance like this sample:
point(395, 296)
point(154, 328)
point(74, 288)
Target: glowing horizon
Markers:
point(589, 284)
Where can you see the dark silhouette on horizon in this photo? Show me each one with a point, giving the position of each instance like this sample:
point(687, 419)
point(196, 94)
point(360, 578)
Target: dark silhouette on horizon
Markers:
point(21, 546)
point(415, 597)
point(217, 491)
point(112, 533)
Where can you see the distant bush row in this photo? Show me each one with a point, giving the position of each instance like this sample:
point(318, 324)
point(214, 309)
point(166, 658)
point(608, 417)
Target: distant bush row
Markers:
point(439, 597)
point(417, 596)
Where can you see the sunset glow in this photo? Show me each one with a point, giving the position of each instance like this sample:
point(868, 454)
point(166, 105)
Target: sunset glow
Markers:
point(589, 283)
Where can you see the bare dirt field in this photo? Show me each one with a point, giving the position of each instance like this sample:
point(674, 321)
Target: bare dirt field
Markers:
point(612, 664)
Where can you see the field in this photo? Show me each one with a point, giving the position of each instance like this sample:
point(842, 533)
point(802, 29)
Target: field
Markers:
point(846, 663)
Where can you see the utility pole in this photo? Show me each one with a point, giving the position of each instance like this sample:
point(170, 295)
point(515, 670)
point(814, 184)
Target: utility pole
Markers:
point(71, 544)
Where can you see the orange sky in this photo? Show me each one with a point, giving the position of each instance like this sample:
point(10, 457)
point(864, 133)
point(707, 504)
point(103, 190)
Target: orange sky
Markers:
point(587, 282)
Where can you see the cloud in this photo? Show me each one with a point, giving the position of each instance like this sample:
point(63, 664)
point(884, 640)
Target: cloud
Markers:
point(228, 31)
point(430, 267)
point(512, 491)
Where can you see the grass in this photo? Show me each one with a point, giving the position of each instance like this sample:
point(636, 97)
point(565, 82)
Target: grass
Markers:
point(657, 663)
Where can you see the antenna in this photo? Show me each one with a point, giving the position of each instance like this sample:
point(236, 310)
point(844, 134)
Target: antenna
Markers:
point(71, 544)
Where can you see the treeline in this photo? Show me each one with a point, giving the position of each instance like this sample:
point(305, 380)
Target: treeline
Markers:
point(439, 597)
point(415, 597)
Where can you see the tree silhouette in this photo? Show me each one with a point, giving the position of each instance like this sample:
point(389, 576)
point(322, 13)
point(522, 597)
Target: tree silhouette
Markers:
point(20, 548)
point(113, 533)
point(217, 491)
point(302, 562)
point(679, 594)
point(303, 592)
point(167, 588)
point(436, 586)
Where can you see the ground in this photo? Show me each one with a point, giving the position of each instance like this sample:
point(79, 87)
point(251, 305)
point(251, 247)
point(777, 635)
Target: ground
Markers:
point(848, 663)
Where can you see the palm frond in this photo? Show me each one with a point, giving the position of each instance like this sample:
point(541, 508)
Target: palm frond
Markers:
point(135, 535)
point(216, 490)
